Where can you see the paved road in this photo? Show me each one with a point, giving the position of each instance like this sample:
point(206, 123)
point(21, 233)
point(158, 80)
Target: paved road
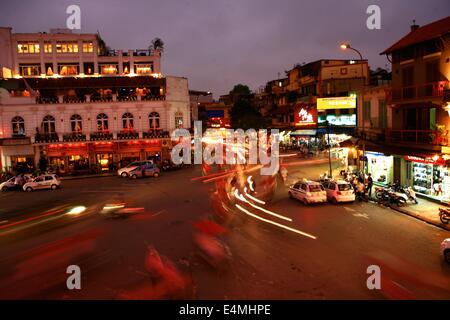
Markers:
point(268, 262)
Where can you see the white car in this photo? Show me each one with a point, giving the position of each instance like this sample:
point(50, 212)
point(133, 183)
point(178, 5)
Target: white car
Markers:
point(445, 249)
point(308, 192)
point(8, 184)
point(125, 171)
point(47, 181)
point(339, 191)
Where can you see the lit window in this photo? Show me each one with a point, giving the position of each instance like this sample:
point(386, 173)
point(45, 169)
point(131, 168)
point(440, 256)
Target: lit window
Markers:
point(102, 122)
point(178, 119)
point(68, 70)
point(153, 119)
point(88, 47)
point(47, 47)
point(18, 126)
point(143, 68)
point(67, 47)
point(108, 69)
point(127, 121)
point(76, 123)
point(29, 70)
point(28, 47)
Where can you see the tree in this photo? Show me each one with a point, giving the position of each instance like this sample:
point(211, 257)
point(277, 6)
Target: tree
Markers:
point(157, 44)
point(239, 92)
point(245, 116)
point(43, 163)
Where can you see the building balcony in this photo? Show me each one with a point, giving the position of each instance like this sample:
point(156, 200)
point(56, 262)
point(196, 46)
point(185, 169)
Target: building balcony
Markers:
point(155, 133)
point(417, 92)
point(74, 99)
point(127, 135)
point(47, 100)
point(131, 97)
point(46, 137)
point(74, 137)
point(428, 137)
point(153, 97)
point(101, 135)
point(104, 98)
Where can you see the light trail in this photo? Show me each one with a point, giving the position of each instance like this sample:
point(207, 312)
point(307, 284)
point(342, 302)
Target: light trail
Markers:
point(240, 197)
point(275, 223)
point(250, 183)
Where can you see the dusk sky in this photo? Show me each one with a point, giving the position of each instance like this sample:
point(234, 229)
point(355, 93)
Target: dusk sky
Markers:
point(217, 43)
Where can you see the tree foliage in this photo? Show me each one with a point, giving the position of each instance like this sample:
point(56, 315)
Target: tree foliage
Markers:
point(157, 44)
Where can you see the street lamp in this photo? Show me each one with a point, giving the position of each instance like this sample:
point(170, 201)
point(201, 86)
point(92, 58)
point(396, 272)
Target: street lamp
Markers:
point(345, 46)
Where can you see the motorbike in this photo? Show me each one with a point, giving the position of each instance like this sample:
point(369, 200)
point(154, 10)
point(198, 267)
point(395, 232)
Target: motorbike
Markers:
point(444, 215)
point(390, 196)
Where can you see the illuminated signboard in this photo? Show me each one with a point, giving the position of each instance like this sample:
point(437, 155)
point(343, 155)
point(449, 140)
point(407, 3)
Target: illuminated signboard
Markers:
point(428, 160)
point(305, 116)
point(339, 120)
point(336, 103)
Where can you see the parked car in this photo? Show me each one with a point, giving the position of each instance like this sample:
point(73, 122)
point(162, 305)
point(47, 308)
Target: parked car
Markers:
point(145, 170)
point(169, 165)
point(47, 181)
point(8, 184)
point(339, 191)
point(445, 249)
point(125, 171)
point(308, 192)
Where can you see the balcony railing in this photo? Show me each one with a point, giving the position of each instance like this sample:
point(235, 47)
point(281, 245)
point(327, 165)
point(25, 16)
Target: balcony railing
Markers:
point(131, 97)
point(74, 136)
point(127, 134)
point(74, 99)
point(430, 137)
point(427, 90)
point(46, 137)
point(153, 97)
point(47, 100)
point(101, 135)
point(105, 98)
point(155, 133)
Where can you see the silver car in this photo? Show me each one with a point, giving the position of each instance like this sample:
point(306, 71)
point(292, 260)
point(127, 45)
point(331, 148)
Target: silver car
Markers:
point(47, 181)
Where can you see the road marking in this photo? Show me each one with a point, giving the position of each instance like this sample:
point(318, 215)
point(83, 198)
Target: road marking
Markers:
point(361, 215)
point(349, 209)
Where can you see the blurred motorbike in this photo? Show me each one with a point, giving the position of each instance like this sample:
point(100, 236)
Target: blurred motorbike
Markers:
point(211, 248)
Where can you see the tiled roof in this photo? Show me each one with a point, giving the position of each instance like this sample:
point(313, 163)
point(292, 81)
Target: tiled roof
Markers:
point(427, 32)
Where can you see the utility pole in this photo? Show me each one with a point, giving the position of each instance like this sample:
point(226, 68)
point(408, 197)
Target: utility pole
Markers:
point(329, 148)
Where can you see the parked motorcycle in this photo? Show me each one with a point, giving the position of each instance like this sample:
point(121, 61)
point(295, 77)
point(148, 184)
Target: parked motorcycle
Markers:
point(444, 215)
point(390, 197)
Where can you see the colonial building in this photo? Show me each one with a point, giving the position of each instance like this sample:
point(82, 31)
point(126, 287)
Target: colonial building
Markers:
point(83, 109)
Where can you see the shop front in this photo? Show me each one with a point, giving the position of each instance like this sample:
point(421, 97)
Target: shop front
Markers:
point(381, 167)
point(68, 159)
point(16, 158)
point(429, 176)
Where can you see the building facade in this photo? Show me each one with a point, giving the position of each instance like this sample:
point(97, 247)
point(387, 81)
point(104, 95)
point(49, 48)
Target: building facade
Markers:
point(404, 126)
point(82, 123)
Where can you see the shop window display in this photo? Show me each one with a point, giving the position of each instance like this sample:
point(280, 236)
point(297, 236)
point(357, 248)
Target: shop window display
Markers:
point(431, 180)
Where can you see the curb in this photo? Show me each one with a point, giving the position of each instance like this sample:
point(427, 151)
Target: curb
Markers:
point(418, 217)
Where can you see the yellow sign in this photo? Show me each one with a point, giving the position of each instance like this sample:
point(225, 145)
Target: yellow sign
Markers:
point(336, 103)
point(445, 150)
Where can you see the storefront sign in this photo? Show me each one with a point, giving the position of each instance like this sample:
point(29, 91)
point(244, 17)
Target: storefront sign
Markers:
point(338, 120)
point(445, 150)
point(305, 117)
point(336, 103)
point(429, 160)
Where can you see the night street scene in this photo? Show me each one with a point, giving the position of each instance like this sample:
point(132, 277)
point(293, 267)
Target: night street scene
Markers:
point(225, 150)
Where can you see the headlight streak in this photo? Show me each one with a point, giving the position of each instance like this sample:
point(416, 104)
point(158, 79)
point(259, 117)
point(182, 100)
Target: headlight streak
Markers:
point(241, 197)
point(250, 183)
point(275, 223)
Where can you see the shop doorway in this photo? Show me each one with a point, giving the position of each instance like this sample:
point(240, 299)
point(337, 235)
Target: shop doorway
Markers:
point(22, 164)
point(105, 162)
point(57, 165)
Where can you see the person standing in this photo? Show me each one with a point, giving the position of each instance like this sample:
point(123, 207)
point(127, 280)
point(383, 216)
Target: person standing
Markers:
point(369, 184)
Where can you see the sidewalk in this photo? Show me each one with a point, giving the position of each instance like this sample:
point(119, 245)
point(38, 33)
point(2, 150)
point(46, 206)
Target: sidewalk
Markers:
point(425, 210)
